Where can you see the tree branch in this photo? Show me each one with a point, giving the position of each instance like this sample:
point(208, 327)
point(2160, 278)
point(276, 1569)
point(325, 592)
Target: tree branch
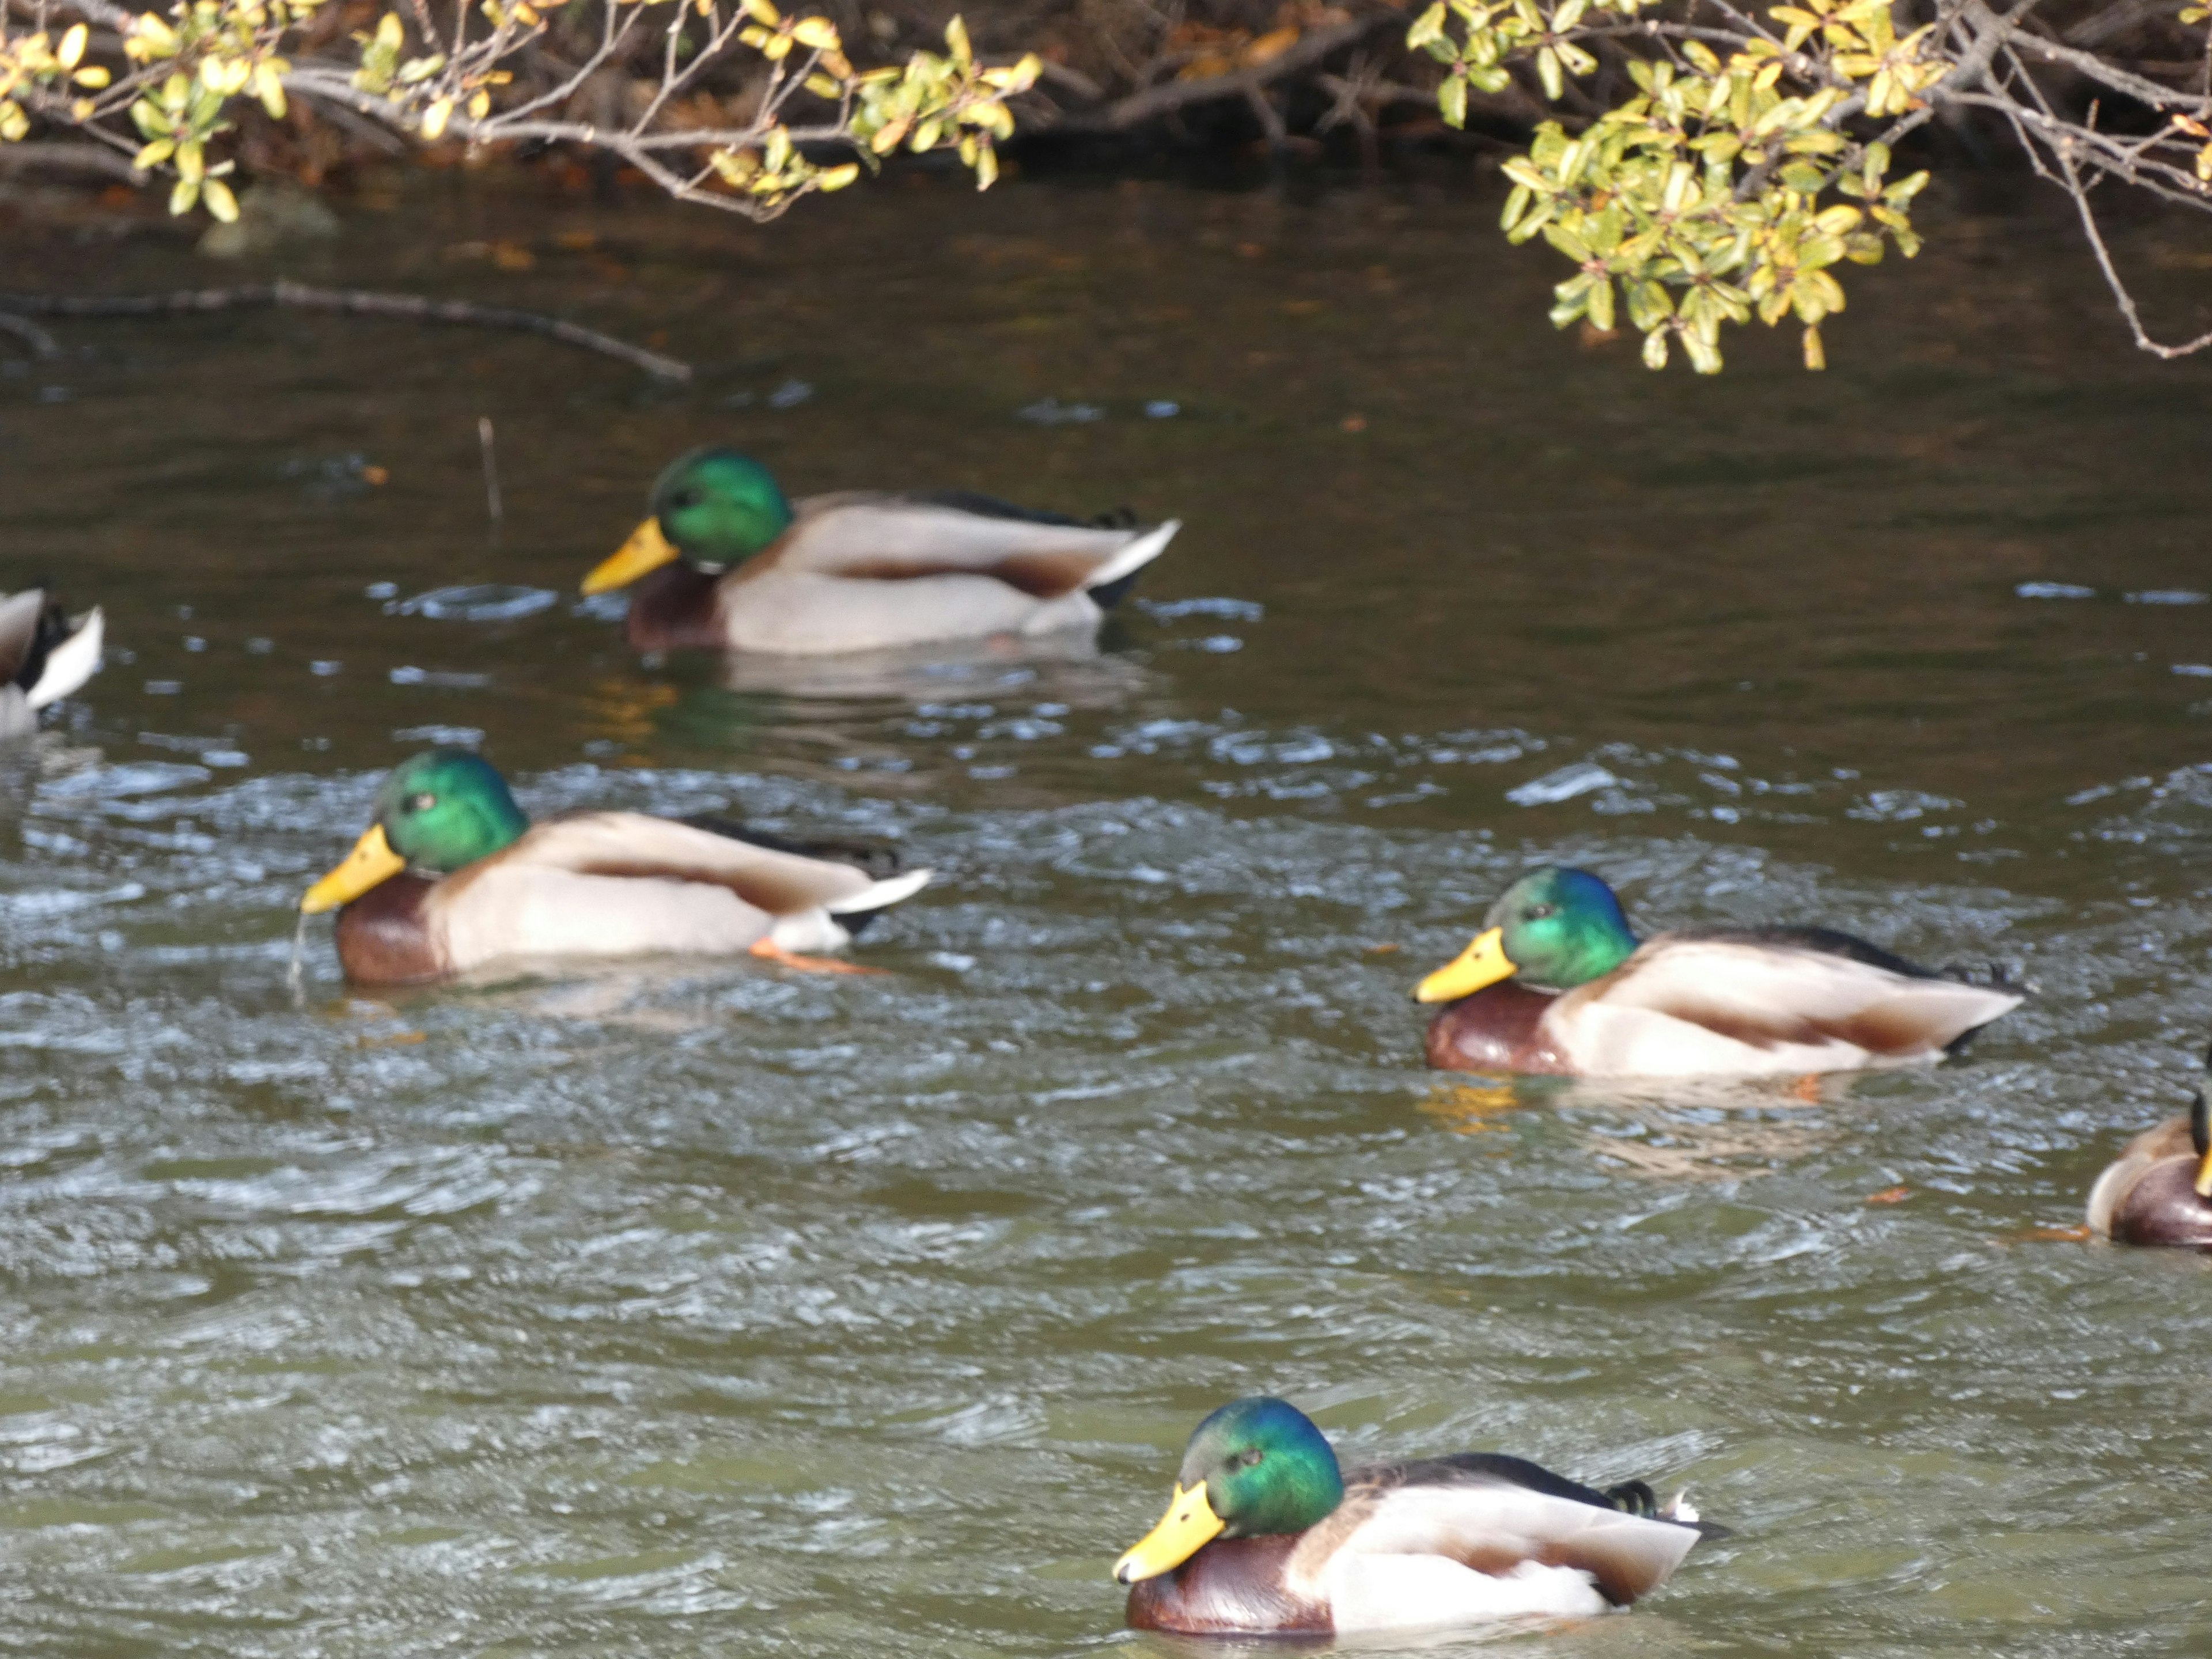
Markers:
point(298, 296)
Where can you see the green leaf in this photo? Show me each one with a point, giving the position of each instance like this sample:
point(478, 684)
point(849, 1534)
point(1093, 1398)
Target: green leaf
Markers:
point(1451, 101)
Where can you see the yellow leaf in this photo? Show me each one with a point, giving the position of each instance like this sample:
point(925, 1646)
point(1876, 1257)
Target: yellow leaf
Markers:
point(435, 117)
point(72, 46)
point(220, 202)
point(837, 178)
point(818, 33)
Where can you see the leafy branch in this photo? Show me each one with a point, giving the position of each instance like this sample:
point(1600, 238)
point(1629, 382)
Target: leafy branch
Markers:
point(1753, 157)
point(163, 87)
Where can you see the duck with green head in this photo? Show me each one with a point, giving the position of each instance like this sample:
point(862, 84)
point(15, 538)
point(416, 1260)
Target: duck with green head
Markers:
point(1266, 1535)
point(724, 561)
point(1557, 982)
point(2158, 1190)
point(452, 878)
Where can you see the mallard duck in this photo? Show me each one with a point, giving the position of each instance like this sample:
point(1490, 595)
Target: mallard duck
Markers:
point(1265, 1534)
point(1556, 982)
point(451, 876)
point(44, 656)
point(2158, 1190)
point(724, 561)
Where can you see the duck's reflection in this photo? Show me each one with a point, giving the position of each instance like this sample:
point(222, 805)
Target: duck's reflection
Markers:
point(1665, 1129)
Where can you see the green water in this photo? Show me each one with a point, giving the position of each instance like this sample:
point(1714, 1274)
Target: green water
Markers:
point(697, 1309)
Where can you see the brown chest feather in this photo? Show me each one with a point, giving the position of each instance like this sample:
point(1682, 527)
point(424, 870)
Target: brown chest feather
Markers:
point(1495, 1030)
point(1233, 1584)
point(676, 608)
point(384, 936)
point(2163, 1208)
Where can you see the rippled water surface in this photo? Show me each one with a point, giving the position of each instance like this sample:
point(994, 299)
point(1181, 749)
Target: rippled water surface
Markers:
point(701, 1309)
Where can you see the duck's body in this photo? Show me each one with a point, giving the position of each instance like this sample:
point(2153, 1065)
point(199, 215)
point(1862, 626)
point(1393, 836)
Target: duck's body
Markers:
point(44, 656)
point(2158, 1190)
point(1428, 1543)
point(1697, 1002)
point(726, 563)
point(596, 884)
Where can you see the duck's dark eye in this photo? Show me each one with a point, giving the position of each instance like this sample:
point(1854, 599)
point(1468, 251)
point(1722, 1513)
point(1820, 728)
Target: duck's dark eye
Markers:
point(1538, 912)
point(685, 500)
point(422, 803)
point(1251, 1458)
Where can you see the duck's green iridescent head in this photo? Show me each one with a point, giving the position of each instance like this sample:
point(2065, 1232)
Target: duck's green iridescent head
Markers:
point(713, 507)
point(1254, 1467)
point(1556, 928)
point(439, 812)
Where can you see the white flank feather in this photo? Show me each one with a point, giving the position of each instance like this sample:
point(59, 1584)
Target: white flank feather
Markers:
point(1422, 1592)
point(1140, 551)
point(889, 891)
point(72, 662)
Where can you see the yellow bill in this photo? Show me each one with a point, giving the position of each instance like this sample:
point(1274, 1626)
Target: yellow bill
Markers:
point(1189, 1523)
point(1483, 963)
point(371, 861)
point(2205, 1176)
point(646, 551)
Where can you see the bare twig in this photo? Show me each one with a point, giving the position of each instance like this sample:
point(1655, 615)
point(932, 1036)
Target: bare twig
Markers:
point(2077, 189)
point(1141, 106)
point(298, 296)
point(52, 156)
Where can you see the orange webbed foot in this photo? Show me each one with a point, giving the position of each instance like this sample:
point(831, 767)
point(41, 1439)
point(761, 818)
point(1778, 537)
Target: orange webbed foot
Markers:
point(768, 950)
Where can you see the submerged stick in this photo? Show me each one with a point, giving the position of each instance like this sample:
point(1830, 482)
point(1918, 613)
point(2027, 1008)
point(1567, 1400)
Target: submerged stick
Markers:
point(491, 474)
point(299, 296)
point(36, 340)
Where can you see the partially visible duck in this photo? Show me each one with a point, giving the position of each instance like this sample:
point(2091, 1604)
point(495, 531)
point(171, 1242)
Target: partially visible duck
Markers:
point(44, 656)
point(2158, 1190)
point(724, 561)
point(1267, 1535)
point(1557, 982)
point(452, 877)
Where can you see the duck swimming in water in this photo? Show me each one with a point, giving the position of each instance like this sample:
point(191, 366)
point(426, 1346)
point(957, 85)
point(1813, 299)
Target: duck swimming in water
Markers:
point(724, 561)
point(1556, 982)
point(44, 656)
point(452, 877)
point(1267, 1535)
point(2158, 1190)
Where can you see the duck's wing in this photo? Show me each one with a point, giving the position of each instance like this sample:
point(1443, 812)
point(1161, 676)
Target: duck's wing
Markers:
point(776, 876)
point(2170, 1140)
point(889, 538)
point(1484, 1536)
point(1799, 1000)
point(623, 883)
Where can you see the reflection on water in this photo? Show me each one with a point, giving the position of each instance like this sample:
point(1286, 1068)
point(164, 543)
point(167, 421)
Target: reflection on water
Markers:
point(698, 1308)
